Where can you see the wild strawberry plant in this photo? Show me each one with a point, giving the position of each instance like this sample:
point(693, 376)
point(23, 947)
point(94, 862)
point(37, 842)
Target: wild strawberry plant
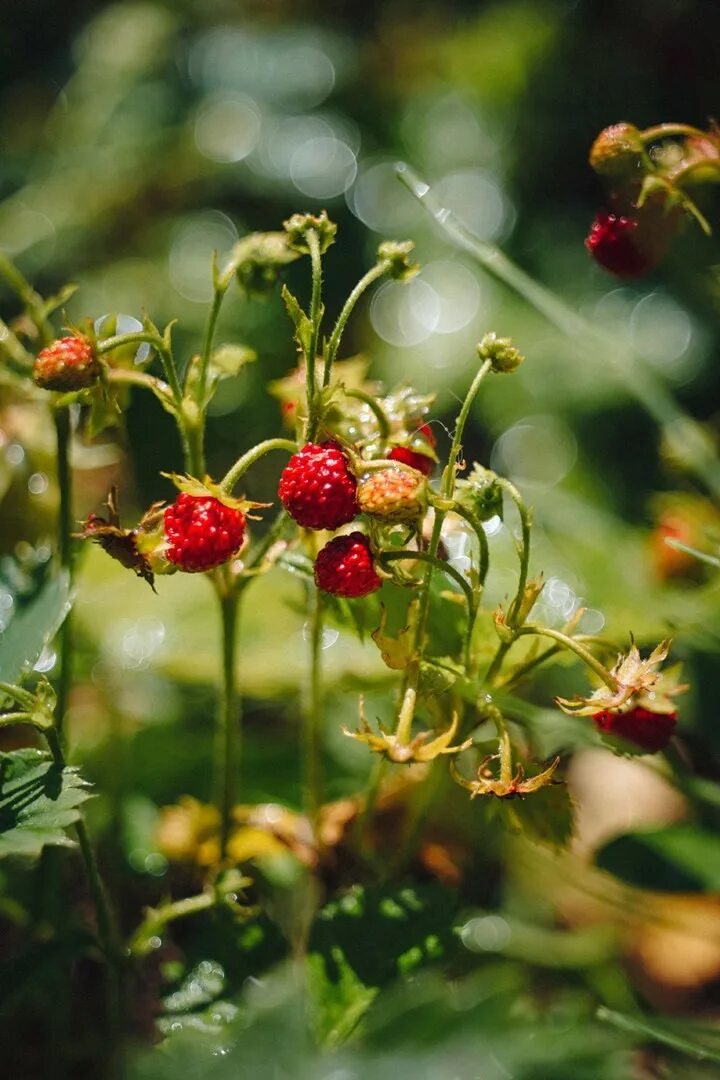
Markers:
point(367, 506)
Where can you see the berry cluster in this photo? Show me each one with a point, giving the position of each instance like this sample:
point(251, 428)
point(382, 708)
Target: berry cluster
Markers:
point(649, 178)
point(320, 491)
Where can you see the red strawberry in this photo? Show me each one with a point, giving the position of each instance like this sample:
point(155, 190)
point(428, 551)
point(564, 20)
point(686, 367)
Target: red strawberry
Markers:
point(616, 244)
point(67, 364)
point(202, 532)
point(647, 729)
point(317, 488)
point(345, 567)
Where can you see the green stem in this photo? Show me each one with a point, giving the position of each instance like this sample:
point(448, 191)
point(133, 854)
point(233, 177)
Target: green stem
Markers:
point(313, 242)
point(107, 933)
point(243, 463)
point(159, 345)
point(448, 477)
point(626, 363)
point(64, 541)
point(482, 540)
point(228, 732)
point(141, 378)
point(662, 131)
point(376, 408)
point(424, 556)
point(313, 715)
point(523, 550)
point(261, 549)
point(208, 338)
point(574, 646)
point(364, 283)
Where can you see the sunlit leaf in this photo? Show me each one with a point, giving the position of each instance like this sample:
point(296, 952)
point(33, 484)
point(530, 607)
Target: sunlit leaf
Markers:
point(38, 802)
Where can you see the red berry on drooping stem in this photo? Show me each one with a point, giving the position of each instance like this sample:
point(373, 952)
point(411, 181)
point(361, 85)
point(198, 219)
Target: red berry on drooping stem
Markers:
point(317, 487)
point(345, 567)
point(201, 532)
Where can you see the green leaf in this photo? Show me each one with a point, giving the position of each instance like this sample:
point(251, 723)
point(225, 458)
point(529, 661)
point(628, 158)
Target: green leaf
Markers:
point(545, 816)
point(38, 801)
point(33, 627)
point(302, 323)
point(680, 858)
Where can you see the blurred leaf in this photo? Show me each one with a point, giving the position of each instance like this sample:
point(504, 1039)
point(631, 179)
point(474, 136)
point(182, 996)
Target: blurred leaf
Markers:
point(229, 360)
point(33, 627)
point(380, 932)
point(38, 801)
point(680, 1035)
point(681, 858)
point(545, 816)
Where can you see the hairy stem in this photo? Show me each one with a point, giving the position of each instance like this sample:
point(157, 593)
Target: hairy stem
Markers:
point(364, 283)
point(64, 542)
point(243, 463)
point(313, 714)
point(313, 242)
point(228, 733)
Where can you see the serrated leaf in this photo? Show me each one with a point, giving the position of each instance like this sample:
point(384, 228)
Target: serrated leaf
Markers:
point(545, 816)
point(33, 627)
point(38, 801)
point(60, 298)
point(680, 858)
point(302, 323)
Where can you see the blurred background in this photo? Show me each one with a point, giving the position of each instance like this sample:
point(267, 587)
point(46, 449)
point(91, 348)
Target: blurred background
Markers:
point(137, 138)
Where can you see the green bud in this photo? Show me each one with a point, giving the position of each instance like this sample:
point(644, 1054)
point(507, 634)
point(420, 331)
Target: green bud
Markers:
point(299, 225)
point(480, 493)
point(397, 254)
point(258, 259)
point(618, 149)
point(501, 353)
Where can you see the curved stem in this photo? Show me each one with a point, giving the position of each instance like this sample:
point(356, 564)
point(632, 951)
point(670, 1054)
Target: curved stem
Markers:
point(228, 731)
point(524, 548)
point(424, 556)
point(261, 549)
point(364, 283)
point(662, 131)
point(636, 377)
point(448, 477)
point(482, 539)
point(133, 377)
point(375, 407)
point(574, 646)
point(166, 357)
point(243, 463)
point(313, 242)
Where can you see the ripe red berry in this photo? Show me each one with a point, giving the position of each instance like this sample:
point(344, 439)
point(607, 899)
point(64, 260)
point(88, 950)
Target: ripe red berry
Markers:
point(618, 245)
point(201, 532)
point(647, 729)
point(317, 488)
point(67, 364)
point(345, 567)
point(422, 462)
